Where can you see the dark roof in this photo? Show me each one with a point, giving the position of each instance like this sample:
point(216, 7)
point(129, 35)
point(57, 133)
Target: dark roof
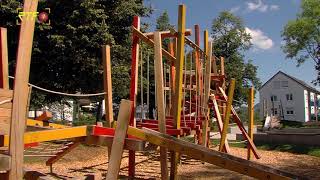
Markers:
point(302, 83)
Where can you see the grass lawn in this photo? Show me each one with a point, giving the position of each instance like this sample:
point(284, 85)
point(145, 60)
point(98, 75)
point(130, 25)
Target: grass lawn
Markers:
point(297, 149)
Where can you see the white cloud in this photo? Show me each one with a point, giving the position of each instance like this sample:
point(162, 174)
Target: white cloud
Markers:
point(274, 7)
point(234, 9)
point(258, 5)
point(259, 39)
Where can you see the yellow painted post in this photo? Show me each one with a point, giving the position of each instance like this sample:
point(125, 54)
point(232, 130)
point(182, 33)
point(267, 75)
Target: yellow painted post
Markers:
point(206, 112)
point(251, 119)
point(178, 82)
point(227, 115)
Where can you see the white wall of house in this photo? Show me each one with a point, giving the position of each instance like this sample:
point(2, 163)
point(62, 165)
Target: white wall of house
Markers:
point(289, 100)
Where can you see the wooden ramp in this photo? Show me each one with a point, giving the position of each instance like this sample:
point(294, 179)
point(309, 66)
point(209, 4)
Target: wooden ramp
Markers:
point(217, 158)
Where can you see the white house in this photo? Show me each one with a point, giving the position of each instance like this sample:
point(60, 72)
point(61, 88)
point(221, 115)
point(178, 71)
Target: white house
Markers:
point(289, 98)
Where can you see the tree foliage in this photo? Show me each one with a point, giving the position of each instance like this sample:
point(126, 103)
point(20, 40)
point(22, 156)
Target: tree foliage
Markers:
point(230, 40)
point(67, 53)
point(302, 35)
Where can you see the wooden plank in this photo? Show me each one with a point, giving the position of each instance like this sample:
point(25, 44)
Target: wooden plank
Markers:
point(207, 83)
point(5, 112)
point(220, 159)
point(198, 69)
point(167, 34)
point(251, 119)
point(227, 115)
point(226, 147)
point(49, 135)
point(158, 73)
point(134, 85)
point(241, 127)
point(179, 63)
point(5, 162)
point(36, 123)
point(150, 42)
point(119, 138)
point(20, 96)
point(4, 79)
point(107, 82)
point(214, 65)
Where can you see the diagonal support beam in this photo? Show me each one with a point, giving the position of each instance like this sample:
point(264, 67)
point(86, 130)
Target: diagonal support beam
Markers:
point(217, 158)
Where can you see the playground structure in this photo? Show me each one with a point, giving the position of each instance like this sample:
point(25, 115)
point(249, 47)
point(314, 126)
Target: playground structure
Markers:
point(203, 82)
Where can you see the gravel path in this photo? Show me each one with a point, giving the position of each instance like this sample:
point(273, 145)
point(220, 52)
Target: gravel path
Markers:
point(93, 160)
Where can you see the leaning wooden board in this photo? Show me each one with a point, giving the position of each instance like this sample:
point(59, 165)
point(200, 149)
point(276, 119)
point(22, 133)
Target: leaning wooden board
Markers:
point(5, 110)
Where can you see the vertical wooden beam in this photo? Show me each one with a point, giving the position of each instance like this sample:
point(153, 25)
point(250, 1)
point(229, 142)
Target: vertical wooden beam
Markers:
point(107, 84)
point(205, 110)
point(125, 112)
point(222, 72)
point(227, 115)
point(134, 87)
point(251, 119)
point(158, 73)
point(4, 79)
point(178, 82)
point(20, 94)
point(198, 67)
point(172, 75)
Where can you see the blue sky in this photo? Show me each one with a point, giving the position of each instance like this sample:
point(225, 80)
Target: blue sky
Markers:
point(264, 20)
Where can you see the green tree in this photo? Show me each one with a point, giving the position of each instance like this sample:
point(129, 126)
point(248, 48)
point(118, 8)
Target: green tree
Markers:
point(302, 35)
point(230, 41)
point(67, 53)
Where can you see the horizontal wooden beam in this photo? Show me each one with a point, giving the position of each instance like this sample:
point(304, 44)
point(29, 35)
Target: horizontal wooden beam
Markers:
point(217, 158)
point(151, 43)
point(48, 135)
point(105, 140)
point(5, 162)
point(167, 34)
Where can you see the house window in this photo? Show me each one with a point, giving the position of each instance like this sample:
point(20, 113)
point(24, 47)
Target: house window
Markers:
point(284, 84)
point(276, 84)
point(289, 111)
point(274, 98)
point(274, 111)
point(289, 97)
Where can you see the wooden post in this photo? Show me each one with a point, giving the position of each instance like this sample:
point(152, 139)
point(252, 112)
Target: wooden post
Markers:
point(172, 75)
point(222, 72)
point(205, 110)
point(251, 119)
point(4, 79)
point(125, 112)
point(199, 70)
point(134, 87)
point(178, 82)
point(158, 73)
point(227, 115)
point(107, 83)
point(20, 94)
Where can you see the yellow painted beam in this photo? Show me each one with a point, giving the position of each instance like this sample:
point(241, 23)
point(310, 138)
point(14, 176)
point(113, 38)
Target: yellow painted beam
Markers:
point(251, 119)
point(227, 115)
point(31, 122)
point(50, 135)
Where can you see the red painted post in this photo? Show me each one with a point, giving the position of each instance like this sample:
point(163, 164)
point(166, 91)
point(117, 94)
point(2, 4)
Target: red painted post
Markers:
point(134, 88)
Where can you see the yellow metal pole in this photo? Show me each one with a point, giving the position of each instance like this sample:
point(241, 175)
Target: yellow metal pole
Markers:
point(251, 119)
point(227, 115)
point(178, 82)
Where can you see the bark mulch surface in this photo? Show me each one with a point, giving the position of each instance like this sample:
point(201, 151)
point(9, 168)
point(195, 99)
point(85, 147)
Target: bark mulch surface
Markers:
point(86, 160)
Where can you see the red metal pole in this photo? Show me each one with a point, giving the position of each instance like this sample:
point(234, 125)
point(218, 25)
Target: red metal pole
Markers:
point(134, 88)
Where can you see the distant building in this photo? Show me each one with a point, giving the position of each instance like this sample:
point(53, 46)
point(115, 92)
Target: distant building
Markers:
point(289, 98)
